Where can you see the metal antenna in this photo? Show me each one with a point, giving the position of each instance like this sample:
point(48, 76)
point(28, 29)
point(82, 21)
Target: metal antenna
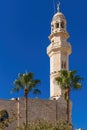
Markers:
point(54, 6)
point(58, 7)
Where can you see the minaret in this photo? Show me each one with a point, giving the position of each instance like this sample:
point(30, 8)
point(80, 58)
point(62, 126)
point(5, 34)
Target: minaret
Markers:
point(58, 51)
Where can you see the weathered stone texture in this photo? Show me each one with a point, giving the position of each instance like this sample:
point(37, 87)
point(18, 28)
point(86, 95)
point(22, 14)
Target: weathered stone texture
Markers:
point(50, 110)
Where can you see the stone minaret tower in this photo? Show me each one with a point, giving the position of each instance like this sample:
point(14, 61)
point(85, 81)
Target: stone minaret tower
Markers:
point(58, 51)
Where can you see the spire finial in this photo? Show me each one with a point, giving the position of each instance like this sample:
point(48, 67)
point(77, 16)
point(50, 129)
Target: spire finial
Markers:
point(58, 7)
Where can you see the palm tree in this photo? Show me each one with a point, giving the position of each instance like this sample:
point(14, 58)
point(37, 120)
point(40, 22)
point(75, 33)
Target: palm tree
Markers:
point(27, 82)
point(69, 80)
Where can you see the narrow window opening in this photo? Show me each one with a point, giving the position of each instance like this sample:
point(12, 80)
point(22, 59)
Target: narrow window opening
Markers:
point(62, 25)
point(62, 65)
point(65, 65)
point(57, 25)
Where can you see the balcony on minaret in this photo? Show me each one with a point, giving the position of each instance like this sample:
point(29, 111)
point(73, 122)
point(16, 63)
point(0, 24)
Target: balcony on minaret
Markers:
point(58, 25)
point(59, 46)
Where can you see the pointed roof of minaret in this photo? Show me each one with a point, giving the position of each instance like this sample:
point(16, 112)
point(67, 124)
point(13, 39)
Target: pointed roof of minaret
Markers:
point(59, 14)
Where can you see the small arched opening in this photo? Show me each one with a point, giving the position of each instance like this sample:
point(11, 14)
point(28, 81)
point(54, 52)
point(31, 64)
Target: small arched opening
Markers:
point(3, 115)
point(62, 24)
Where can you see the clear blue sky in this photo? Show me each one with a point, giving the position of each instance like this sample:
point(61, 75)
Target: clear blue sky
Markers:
point(24, 31)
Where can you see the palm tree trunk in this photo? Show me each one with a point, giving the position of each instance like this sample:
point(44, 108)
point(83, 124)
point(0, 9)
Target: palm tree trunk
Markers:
point(67, 98)
point(26, 106)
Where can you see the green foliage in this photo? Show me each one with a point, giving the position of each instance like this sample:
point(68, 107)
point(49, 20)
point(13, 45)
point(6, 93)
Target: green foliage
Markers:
point(69, 79)
point(4, 124)
point(45, 125)
point(26, 81)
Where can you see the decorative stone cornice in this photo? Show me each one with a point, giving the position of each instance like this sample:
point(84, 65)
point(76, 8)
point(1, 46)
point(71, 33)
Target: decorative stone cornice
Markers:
point(54, 48)
point(60, 33)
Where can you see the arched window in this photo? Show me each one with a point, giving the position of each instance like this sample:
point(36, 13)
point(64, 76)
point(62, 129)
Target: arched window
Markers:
point(62, 25)
point(3, 115)
point(64, 65)
point(57, 25)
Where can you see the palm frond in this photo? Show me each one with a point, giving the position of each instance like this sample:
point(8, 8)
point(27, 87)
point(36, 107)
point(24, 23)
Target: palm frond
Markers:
point(63, 73)
point(77, 86)
point(35, 82)
point(15, 89)
point(20, 75)
point(17, 82)
point(26, 80)
point(78, 78)
point(59, 80)
point(30, 75)
point(69, 79)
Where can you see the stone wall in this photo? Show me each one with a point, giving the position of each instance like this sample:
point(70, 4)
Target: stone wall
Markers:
point(50, 110)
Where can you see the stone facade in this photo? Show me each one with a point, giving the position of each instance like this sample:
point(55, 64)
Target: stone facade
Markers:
point(58, 51)
point(49, 110)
